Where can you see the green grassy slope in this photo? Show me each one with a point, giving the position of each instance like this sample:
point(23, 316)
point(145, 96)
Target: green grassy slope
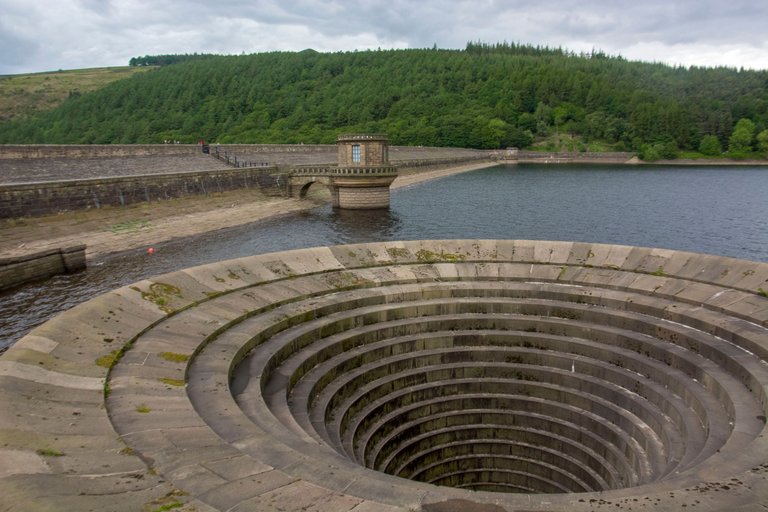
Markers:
point(23, 95)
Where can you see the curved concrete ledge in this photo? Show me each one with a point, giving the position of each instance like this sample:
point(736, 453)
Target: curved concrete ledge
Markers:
point(509, 372)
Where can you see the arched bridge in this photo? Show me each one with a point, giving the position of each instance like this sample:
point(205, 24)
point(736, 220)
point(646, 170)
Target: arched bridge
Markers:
point(351, 187)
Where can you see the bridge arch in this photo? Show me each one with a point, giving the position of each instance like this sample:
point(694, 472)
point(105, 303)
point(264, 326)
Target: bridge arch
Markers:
point(300, 186)
point(305, 189)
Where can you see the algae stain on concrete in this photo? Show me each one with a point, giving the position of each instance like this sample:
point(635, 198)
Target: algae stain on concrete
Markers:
point(161, 294)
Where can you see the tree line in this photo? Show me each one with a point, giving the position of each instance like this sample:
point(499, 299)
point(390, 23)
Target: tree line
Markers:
point(485, 96)
point(167, 59)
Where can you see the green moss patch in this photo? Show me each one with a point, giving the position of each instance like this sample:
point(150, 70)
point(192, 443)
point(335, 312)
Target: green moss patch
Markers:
point(174, 357)
point(160, 294)
point(427, 256)
point(49, 452)
point(109, 360)
point(172, 382)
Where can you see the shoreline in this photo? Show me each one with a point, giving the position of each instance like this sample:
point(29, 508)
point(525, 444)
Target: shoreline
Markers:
point(113, 230)
point(110, 231)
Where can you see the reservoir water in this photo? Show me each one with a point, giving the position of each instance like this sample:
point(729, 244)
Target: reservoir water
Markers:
point(721, 211)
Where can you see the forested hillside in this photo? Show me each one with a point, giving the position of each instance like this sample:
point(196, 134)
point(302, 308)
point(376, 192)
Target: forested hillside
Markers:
point(486, 96)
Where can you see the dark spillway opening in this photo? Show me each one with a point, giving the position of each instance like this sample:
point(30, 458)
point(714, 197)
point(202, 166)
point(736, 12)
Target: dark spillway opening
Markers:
point(503, 424)
point(496, 389)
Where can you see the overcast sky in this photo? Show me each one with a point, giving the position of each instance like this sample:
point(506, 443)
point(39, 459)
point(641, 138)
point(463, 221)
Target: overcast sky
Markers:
point(44, 35)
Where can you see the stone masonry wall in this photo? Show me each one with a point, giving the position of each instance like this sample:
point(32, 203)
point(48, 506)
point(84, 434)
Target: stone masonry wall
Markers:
point(567, 157)
point(35, 199)
point(440, 163)
point(92, 187)
point(373, 150)
point(15, 151)
point(363, 198)
point(17, 270)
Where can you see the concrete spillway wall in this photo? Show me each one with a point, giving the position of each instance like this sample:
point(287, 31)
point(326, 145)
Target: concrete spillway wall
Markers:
point(432, 376)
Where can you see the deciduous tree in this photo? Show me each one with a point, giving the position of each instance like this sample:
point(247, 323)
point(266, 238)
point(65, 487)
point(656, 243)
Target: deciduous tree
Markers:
point(741, 138)
point(762, 141)
point(710, 145)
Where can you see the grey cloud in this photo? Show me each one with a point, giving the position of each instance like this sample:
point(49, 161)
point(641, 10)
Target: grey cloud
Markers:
point(118, 29)
point(15, 53)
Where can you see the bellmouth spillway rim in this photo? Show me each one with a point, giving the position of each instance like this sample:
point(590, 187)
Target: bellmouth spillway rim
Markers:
point(409, 375)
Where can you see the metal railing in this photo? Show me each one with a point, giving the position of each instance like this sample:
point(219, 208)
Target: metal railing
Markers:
point(233, 160)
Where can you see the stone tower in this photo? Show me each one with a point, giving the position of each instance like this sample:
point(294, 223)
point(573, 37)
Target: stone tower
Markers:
point(363, 150)
point(362, 179)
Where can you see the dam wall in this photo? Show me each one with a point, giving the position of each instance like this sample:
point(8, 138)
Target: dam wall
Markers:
point(293, 154)
point(37, 180)
point(567, 157)
point(17, 151)
point(45, 198)
point(20, 151)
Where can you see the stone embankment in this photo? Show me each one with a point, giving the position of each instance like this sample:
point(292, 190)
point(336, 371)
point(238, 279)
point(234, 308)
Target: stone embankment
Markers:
point(42, 170)
point(568, 157)
point(40, 163)
point(16, 270)
point(480, 375)
point(42, 180)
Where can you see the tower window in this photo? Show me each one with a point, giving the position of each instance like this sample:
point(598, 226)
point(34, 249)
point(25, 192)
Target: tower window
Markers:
point(356, 153)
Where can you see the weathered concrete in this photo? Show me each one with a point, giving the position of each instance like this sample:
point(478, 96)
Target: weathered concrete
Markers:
point(424, 375)
point(16, 270)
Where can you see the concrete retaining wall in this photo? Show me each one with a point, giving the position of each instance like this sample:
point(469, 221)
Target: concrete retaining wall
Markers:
point(17, 270)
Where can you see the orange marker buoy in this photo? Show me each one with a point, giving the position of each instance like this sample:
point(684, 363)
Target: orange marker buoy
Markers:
point(150, 250)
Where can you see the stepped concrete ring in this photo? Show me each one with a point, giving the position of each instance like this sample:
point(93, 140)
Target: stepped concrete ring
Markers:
point(472, 375)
